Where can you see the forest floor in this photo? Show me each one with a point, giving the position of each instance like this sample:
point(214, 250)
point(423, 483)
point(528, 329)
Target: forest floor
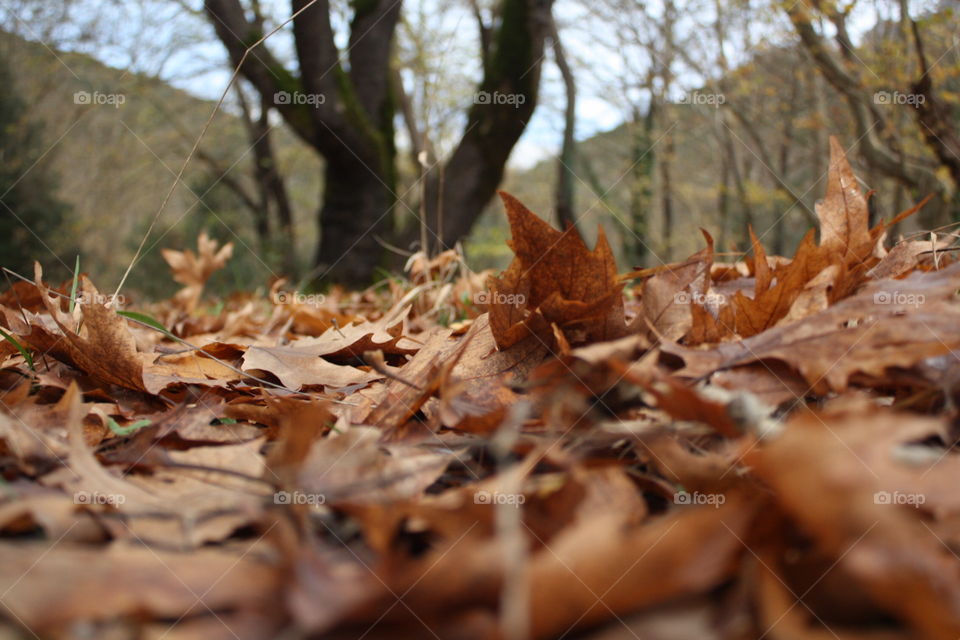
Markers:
point(757, 448)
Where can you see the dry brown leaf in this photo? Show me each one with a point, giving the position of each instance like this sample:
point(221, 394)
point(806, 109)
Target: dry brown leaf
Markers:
point(297, 368)
point(821, 480)
point(905, 256)
point(477, 393)
point(844, 218)
point(103, 347)
point(891, 323)
point(684, 403)
point(166, 507)
point(389, 335)
point(554, 278)
point(353, 466)
point(669, 296)
point(817, 276)
point(194, 269)
point(419, 379)
point(127, 581)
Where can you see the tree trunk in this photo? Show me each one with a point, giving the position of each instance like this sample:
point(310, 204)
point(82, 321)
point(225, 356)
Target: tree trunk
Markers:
point(343, 103)
point(666, 193)
point(564, 194)
point(935, 117)
point(642, 159)
point(739, 180)
point(502, 107)
point(356, 210)
point(271, 189)
point(346, 114)
point(274, 188)
point(723, 201)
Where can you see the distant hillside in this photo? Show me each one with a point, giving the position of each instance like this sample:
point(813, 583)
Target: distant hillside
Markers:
point(116, 141)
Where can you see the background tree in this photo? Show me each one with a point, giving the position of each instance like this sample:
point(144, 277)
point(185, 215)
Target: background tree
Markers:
point(566, 160)
point(885, 149)
point(350, 118)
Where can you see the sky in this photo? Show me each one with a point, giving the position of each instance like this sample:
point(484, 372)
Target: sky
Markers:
point(183, 50)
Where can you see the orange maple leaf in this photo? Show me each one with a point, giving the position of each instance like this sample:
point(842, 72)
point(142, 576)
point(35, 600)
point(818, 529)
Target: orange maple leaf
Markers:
point(554, 280)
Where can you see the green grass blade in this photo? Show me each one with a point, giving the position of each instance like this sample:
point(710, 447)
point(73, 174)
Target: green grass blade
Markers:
point(76, 281)
point(145, 319)
point(23, 351)
point(126, 431)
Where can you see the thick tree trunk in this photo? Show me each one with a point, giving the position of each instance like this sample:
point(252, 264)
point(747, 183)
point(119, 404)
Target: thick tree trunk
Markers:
point(356, 211)
point(346, 114)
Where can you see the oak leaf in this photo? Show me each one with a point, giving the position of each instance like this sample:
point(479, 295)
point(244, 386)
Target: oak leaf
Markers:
point(297, 369)
point(102, 347)
point(194, 269)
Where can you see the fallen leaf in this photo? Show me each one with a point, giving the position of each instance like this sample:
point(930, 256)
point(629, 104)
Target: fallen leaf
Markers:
point(669, 296)
point(892, 323)
point(844, 218)
point(554, 279)
point(296, 368)
point(194, 269)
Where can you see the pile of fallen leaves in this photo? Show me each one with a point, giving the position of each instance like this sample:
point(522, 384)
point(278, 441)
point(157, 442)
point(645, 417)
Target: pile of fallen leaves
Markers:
point(762, 448)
